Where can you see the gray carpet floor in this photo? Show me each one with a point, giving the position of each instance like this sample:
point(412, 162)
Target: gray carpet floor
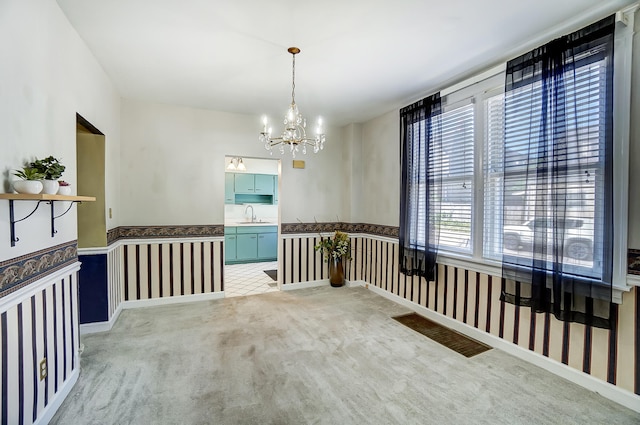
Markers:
point(313, 356)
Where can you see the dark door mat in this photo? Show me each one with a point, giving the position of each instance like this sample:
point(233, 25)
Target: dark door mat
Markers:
point(442, 335)
point(273, 274)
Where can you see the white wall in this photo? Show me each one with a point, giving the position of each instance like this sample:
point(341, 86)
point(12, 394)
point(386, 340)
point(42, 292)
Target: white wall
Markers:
point(47, 76)
point(173, 165)
point(380, 182)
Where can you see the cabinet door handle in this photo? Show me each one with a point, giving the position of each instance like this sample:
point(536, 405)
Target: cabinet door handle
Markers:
point(231, 237)
point(261, 237)
point(253, 237)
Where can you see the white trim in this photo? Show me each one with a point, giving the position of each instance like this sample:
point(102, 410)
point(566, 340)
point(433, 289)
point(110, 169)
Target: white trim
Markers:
point(31, 289)
point(633, 280)
point(96, 327)
point(126, 305)
point(306, 235)
point(376, 237)
point(316, 283)
point(480, 77)
point(303, 285)
point(623, 46)
point(605, 389)
point(98, 251)
point(54, 404)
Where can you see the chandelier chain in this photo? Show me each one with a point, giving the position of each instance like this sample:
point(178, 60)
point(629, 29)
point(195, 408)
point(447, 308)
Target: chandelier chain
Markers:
point(293, 81)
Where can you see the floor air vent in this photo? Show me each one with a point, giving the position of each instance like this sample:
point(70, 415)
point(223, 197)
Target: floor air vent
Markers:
point(442, 335)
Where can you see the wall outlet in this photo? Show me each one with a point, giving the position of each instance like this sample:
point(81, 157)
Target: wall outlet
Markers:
point(43, 368)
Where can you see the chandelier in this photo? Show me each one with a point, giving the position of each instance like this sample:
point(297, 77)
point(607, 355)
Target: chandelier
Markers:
point(294, 135)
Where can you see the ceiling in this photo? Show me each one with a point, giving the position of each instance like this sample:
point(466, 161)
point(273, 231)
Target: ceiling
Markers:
point(359, 58)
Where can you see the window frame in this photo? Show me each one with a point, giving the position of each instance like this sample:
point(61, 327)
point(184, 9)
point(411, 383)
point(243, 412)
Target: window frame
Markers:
point(489, 83)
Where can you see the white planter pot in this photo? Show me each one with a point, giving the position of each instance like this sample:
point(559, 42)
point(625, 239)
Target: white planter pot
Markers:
point(64, 190)
point(29, 187)
point(50, 187)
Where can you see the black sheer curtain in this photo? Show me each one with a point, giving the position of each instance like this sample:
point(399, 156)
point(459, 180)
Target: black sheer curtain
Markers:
point(420, 142)
point(558, 178)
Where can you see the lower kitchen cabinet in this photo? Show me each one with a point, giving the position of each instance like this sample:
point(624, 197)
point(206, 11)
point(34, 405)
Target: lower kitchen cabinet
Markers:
point(246, 244)
point(230, 245)
point(247, 247)
point(267, 246)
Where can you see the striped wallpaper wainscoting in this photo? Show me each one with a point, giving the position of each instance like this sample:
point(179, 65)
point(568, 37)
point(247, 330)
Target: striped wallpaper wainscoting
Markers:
point(162, 269)
point(115, 279)
point(473, 298)
point(40, 322)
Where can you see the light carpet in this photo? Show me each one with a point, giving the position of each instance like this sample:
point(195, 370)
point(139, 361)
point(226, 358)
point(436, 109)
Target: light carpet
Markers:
point(320, 355)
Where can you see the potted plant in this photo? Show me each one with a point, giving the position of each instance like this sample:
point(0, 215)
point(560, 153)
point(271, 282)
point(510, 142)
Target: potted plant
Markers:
point(52, 170)
point(30, 181)
point(64, 189)
point(335, 249)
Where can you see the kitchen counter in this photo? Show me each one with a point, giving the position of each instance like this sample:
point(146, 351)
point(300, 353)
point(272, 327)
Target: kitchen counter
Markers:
point(248, 223)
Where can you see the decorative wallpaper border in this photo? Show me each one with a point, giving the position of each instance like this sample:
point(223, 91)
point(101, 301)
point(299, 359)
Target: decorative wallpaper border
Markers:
point(372, 229)
point(143, 232)
point(19, 272)
point(633, 261)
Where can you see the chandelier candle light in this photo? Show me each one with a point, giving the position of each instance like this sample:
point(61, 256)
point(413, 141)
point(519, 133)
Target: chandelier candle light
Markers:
point(294, 134)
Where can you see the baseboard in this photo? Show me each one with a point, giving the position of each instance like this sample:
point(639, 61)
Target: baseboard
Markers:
point(172, 300)
point(303, 285)
point(605, 389)
point(96, 327)
point(315, 283)
point(55, 403)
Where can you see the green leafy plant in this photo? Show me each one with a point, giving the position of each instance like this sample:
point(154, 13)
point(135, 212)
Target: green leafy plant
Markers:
point(50, 167)
point(29, 173)
point(336, 247)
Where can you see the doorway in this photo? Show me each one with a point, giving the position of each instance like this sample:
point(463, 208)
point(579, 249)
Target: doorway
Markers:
point(90, 160)
point(251, 223)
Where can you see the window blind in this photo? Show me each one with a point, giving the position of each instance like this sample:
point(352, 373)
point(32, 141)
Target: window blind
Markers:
point(454, 167)
point(514, 152)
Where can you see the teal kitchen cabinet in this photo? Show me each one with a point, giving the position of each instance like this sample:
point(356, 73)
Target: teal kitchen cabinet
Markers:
point(275, 190)
point(244, 188)
point(245, 183)
point(247, 247)
point(230, 244)
point(246, 244)
point(263, 184)
point(229, 188)
point(267, 246)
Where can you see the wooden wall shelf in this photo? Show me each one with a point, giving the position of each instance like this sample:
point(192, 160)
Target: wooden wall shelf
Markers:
point(49, 199)
point(43, 197)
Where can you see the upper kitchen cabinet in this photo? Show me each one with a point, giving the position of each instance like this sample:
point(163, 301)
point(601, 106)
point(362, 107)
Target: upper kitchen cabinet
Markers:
point(261, 184)
point(264, 184)
point(241, 188)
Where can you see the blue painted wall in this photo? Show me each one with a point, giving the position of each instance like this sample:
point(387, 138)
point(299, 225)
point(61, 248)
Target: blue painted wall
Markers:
point(94, 301)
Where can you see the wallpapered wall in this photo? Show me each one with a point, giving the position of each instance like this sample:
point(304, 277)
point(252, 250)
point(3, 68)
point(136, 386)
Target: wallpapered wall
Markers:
point(42, 324)
point(464, 295)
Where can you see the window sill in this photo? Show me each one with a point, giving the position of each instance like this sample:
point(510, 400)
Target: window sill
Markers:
point(494, 268)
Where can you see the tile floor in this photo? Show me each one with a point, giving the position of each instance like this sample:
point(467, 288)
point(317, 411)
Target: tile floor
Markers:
point(248, 279)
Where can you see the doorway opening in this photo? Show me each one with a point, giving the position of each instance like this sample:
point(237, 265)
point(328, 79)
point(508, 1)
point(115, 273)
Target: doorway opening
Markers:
point(90, 160)
point(252, 225)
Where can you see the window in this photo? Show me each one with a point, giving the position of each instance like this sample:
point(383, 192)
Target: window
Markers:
point(455, 168)
point(475, 138)
point(578, 189)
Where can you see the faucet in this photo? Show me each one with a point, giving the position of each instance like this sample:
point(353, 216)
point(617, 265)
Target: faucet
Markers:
point(253, 214)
